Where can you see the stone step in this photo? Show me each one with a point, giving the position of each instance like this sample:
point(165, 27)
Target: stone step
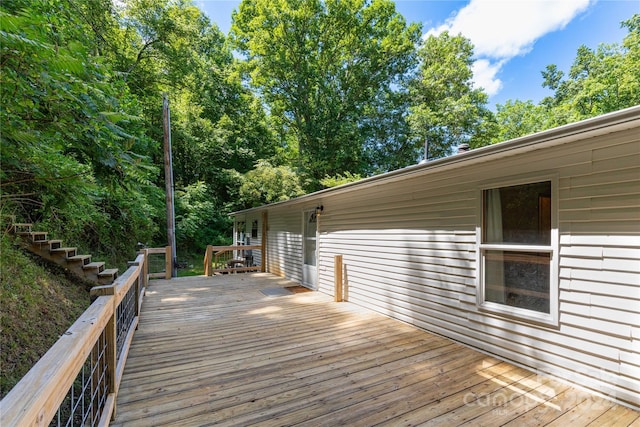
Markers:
point(65, 252)
point(94, 265)
point(84, 259)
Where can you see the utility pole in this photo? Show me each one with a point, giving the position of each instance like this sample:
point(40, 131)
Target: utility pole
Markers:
point(168, 182)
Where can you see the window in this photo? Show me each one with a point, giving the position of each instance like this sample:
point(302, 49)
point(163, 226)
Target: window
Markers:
point(517, 251)
point(254, 229)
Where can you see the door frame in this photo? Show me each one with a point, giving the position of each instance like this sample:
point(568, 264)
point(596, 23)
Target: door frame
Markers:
point(309, 272)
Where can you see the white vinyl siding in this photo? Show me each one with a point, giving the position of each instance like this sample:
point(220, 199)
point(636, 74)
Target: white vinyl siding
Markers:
point(409, 250)
point(284, 243)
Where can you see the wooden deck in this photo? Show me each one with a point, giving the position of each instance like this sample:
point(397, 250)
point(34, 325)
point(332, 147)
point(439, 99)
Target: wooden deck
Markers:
point(217, 350)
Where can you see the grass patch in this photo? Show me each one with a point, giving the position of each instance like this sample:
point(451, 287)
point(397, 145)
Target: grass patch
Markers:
point(38, 303)
point(193, 265)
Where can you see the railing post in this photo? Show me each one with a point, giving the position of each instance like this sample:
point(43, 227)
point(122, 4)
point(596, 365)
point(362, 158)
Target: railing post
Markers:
point(139, 284)
point(146, 266)
point(168, 259)
point(263, 242)
point(138, 289)
point(141, 276)
point(143, 271)
point(207, 260)
point(337, 277)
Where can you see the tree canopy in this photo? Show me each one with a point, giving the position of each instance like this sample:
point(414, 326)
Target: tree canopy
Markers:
point(301, 95)
point(446, 109)
point(599, 81)
point(324, 67)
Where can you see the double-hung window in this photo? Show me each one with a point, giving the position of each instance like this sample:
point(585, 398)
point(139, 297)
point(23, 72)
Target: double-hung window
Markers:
point(518, 255)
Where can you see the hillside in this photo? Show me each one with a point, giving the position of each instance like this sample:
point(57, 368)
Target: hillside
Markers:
point(38, 302)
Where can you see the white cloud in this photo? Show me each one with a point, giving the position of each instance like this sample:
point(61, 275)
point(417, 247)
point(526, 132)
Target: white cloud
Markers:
point(503, 29)
point(485, 75)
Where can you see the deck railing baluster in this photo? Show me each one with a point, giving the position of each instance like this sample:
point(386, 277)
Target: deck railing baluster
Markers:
point(229, 259)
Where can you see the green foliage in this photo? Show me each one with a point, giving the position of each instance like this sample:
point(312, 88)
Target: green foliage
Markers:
point(599, 81)
point(200, 220)
point(218, 128)
point(72, 143)
point(324, 67)
point(334, 181)
point(326, 92)
point(518, 118)
point(447, 110)
point(268, 184)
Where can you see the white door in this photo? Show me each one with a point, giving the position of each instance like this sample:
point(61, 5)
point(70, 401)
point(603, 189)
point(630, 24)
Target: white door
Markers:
point(309, 249)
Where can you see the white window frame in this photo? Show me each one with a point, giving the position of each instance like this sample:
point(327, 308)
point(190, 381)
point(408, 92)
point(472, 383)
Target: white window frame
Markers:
point(550, 318)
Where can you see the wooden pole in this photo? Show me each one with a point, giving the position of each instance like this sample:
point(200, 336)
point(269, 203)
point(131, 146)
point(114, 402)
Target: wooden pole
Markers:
point(337, 277)
point(207, 260)
point(168, 259)
point(168, 180)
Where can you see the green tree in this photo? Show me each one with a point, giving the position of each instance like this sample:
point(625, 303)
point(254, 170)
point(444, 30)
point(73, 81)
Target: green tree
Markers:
point(518, 118)
point(170, 46)
point(268, 184)
point(447, 110)
point(323, 67)
point(199, 222)
point(600, 80)
point(218, 127)
point(72, 143)
point(334, 181)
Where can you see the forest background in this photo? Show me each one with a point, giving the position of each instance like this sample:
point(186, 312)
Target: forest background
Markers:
point(300, 95)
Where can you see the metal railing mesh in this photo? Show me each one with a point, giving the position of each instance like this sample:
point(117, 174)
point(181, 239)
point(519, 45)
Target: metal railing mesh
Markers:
point(156, 263)
point(125, 314)
point(86, 398)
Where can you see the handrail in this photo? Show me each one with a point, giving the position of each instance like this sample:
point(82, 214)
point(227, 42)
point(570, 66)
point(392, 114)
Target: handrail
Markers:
point(235, 248)
point(214, 264)
point(90, 355)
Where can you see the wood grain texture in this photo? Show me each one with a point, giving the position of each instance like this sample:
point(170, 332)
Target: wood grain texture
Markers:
point(215, 350)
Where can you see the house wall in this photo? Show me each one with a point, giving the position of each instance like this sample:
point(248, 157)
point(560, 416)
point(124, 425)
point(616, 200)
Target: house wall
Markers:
point(284, 242)
point(410, 252)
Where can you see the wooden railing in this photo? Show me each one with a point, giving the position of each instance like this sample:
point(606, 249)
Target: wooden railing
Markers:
point(76, 382)
point(168, 262)
point(230, 259)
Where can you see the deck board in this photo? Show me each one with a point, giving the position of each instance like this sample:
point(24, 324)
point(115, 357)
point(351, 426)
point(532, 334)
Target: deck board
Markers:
point(215, 350)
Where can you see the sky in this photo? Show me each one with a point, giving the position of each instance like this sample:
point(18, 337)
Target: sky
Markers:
point(514, 40)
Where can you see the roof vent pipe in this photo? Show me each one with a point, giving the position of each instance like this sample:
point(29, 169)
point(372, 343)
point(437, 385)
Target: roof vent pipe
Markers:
point(463, 148)
point(426, 152)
